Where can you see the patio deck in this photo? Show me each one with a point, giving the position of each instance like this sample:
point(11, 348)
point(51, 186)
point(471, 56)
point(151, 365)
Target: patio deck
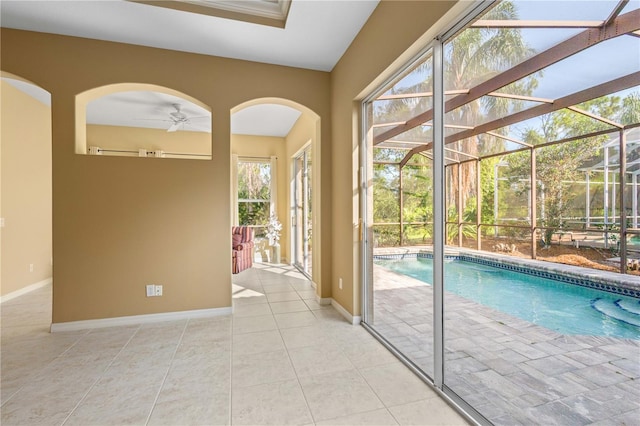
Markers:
point(512, 371)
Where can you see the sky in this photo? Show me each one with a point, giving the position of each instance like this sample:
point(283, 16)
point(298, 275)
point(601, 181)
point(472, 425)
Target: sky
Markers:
point(600, 63)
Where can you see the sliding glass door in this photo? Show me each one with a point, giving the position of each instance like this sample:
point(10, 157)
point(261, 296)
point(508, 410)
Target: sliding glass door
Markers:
point(400, 214)
point(486, 162)
point(301, 222)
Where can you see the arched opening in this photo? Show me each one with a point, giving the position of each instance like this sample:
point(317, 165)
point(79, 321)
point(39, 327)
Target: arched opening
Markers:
point(142, 120)
point(285, 136)
point(25, 197)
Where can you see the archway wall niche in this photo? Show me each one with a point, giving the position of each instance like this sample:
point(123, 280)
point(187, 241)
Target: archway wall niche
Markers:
point(142, 120)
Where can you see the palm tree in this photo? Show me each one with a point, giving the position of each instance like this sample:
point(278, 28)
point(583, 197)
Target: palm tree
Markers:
point(474, 56)
point(471, 57)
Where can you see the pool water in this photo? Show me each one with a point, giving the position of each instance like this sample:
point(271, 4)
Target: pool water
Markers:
point(565, 308)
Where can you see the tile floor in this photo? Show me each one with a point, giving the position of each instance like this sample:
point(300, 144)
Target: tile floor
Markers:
point(279, 359)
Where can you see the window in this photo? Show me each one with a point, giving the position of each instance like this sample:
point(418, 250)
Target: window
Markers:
point(254, 194)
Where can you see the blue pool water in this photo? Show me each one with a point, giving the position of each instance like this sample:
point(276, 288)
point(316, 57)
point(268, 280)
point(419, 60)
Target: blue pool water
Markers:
point(565, 308)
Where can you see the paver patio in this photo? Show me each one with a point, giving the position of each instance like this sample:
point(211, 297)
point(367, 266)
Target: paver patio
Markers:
point(512, 371)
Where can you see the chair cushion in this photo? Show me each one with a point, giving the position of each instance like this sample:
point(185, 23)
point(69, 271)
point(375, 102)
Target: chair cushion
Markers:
point(236, 240)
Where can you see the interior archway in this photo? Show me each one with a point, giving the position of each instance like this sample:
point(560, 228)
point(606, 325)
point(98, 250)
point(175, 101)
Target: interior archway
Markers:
point(26, 198)
point(261, 138)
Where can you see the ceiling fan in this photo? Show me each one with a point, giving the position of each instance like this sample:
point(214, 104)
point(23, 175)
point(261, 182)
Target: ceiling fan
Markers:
point(178, 117)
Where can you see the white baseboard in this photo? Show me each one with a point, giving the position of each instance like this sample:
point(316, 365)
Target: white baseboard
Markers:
point(139, 319)
point(355, 320)
point(25, 290)
point(323, 300)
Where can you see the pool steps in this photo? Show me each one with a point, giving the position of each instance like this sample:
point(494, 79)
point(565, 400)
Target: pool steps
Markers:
point(629, 306)
point(616, 311)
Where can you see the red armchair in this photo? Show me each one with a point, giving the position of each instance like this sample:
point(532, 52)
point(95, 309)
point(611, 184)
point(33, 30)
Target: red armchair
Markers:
point(242, 248)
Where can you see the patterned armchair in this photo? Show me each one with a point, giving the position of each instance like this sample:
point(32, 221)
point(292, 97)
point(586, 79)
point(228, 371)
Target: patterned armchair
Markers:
point(242, 248)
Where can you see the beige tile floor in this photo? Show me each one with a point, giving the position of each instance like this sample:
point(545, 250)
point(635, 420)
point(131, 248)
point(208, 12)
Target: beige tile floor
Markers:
point(279, 359)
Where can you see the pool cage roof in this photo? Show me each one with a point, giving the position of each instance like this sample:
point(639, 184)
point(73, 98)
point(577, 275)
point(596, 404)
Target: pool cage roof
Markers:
point(573, 55)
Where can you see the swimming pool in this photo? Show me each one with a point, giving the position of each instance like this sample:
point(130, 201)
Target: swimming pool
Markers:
point(565, 308)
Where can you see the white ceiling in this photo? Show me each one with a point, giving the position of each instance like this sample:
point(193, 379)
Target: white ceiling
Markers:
point(316, 35)
point(265, 120)
point(32, 90)
point(146, 109)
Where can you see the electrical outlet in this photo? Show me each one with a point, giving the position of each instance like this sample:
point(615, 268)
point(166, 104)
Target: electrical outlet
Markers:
point(158, 290)
point(31, 267)
point(151, 290)
point(340, 283)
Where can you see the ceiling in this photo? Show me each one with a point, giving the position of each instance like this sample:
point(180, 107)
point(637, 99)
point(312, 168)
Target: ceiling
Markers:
point(315, 35)
point(147, 109)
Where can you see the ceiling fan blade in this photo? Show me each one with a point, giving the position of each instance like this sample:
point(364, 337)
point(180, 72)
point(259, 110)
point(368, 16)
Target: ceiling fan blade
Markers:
point(174, 127)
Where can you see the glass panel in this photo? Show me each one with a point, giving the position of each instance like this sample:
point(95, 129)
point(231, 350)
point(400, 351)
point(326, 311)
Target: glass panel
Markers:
point(253, 194)
point(388, 154)
point(386, 193)
point(308, 220)
point(506, 350)
point(477, 54)
point(520, 348)
point(402, 209)
point(512, 185)
point(253, 213)
point(632, 5)
point(408, 97)
point(417, 203)
point(561, 78)
point(509, 239)
point(556, 126)
point(561, 195)
point(302, 212)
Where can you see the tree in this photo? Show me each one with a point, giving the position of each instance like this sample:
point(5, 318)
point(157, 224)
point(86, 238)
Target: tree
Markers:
point(630, 113)
point(386, 203)
point(558, 165)
point(418, 201)
point(471, 57)
point(254, 191)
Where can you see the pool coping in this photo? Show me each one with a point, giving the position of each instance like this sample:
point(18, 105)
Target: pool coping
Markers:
point(626, 285)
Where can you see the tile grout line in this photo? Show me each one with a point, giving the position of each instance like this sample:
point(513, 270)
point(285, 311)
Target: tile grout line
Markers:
point(313, 420)
point(317, 318)
point(164, 379)
point(286, 348)
point(34, 374)
point(95, 382)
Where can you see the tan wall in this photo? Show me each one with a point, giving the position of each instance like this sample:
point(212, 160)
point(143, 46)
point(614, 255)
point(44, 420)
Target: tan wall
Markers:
point(134, 138)
point(25, 139)
point(388, 38)
point(120, 223)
